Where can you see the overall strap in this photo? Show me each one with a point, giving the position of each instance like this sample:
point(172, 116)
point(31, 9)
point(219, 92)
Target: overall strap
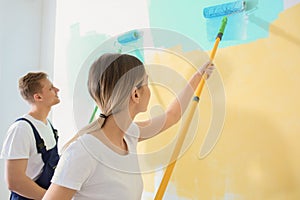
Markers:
point(40, 144)
point(54, 132)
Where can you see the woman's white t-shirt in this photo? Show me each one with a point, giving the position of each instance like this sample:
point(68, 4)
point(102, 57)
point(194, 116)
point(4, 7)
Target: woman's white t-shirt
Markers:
point(97, 172)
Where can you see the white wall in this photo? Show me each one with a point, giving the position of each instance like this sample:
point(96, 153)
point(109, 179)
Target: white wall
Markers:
point(81, 27)
point(26, 44)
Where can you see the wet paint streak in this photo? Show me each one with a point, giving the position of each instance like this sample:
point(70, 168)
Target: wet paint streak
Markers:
point(187, 19)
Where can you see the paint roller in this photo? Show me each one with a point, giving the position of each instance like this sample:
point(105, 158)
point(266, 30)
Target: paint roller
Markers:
point(130, 37)
point(125, 39)
point(209, 12)
point(224, 9)
point(235, 11)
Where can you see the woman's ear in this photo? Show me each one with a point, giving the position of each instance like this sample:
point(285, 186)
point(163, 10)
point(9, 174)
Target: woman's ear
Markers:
point(135, 95)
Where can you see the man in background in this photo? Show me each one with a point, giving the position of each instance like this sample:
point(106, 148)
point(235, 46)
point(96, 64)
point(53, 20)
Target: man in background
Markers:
point(30, 148)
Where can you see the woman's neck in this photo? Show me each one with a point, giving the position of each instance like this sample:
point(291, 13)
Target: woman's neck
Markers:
point(115, 128)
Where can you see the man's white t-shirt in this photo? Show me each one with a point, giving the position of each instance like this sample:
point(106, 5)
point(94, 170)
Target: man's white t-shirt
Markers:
point(99, 173)
point(20, 144)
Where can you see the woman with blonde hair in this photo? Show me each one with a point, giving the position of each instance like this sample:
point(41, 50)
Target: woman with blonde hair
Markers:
point(100, 162)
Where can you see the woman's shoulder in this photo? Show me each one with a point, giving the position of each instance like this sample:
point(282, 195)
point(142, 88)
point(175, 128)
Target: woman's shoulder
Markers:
point(77, 148)
point(87, 146)
point(133, 130)
point(132, 136)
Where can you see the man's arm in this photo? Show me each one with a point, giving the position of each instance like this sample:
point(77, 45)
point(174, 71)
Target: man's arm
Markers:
point(18, 182)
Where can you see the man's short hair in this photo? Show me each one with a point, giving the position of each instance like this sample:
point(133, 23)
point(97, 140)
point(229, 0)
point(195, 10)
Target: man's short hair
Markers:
point(30, 85)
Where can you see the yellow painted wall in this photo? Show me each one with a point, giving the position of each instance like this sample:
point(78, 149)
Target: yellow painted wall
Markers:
point(257, 155)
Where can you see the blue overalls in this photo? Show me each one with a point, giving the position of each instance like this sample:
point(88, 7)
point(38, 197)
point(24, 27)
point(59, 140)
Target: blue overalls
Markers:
point(50, 159)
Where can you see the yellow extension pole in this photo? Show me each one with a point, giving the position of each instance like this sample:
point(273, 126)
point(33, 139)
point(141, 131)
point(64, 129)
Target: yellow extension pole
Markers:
point(185, 127)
